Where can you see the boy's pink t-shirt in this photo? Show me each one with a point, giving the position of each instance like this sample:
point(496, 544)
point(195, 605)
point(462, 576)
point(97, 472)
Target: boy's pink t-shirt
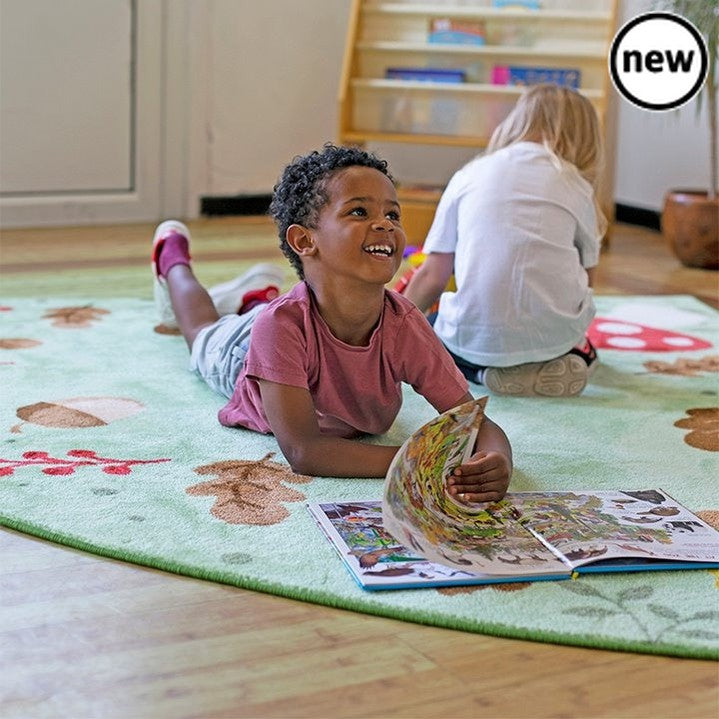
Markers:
point(355, 390)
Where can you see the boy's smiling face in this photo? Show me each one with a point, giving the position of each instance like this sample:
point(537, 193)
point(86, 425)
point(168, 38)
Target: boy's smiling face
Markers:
point(358, 232)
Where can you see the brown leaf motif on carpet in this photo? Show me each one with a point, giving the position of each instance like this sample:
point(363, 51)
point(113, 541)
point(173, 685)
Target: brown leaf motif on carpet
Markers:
point(166, 330)
point(710, 516)
point(17, 343)
point(704, 425)
point(249, 491)
point(77, 412)
point(75, 317)
point(499, 586)
point(685, 367)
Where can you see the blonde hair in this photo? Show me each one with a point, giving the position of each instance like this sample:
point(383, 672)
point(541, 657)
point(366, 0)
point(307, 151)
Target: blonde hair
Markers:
point(562, 120)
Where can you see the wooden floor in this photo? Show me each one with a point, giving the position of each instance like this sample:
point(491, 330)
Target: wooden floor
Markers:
point(82, 636)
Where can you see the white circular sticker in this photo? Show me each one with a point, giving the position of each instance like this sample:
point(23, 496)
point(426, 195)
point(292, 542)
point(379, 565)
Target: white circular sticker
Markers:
point(658, 61)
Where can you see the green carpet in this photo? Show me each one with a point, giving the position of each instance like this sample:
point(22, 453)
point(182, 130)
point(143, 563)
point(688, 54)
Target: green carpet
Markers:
point(112, 446)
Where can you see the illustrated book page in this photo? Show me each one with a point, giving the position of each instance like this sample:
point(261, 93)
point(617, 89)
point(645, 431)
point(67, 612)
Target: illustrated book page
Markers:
point(530, 533)
point(377, 560)
point(421, 515)
point(605, 528)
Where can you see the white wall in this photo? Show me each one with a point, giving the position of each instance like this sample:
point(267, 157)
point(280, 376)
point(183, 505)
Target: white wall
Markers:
point(269, 90)
point(80, 111)
point(271, 79)
point(248, 84)
point(273, 95)
point(658, 151)
point(55, 107)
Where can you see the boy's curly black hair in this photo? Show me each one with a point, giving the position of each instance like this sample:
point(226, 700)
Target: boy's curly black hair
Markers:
point(300, 193)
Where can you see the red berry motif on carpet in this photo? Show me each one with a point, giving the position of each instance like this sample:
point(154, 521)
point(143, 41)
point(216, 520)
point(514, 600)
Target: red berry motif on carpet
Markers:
point(76, 458)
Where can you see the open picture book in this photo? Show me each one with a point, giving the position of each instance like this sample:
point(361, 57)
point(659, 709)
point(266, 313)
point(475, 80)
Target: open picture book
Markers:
point(419, 536)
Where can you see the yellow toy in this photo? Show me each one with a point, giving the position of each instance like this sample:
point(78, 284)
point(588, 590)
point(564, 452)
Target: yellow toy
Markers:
point(415, 257)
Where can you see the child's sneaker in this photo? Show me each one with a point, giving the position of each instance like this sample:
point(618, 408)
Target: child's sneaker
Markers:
point(163, 305)
point(258, 297)
point(588, 353)
point(263, 278)
point(565, 376)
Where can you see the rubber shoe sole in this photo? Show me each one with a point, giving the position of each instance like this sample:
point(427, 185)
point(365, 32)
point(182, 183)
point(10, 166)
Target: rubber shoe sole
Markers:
point(562, 377)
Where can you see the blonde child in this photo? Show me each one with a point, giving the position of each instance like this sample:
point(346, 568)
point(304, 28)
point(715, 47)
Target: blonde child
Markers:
point(323, 364)
point(520, 229)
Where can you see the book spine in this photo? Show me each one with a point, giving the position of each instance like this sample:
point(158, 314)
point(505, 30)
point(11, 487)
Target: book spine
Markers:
point(517, 4)
point(425, 74)
point(527, 75)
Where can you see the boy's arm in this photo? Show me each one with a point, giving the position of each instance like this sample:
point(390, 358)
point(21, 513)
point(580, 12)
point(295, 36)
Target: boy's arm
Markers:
point(430, 279)
point(485, 477)
point(291, 415)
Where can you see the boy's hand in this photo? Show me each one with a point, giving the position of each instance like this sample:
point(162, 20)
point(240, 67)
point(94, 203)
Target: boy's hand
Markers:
point(484, 478)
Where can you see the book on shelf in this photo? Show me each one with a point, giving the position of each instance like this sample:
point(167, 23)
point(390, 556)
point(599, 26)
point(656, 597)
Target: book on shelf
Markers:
point(434, 115)
point(528, 75)
point(517, 4)
point(445, 30)
point(425, 74)
point(420, 536)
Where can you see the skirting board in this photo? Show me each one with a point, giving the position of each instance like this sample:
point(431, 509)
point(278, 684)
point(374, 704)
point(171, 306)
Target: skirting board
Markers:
point(244, 205)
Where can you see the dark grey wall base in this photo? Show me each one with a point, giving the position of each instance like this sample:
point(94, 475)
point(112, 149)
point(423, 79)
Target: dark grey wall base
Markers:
point(236, 205)
point(638, 216)
point(244, 205)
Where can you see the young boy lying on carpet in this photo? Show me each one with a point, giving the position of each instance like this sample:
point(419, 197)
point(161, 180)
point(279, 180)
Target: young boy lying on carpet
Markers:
point(324, 362)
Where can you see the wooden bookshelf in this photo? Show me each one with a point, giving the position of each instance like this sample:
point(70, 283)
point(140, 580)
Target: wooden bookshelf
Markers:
point(559, 35)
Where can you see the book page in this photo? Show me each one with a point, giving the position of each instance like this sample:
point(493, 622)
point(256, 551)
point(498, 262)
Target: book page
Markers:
point(419, 513)
point(586, 526)
point(373, 556)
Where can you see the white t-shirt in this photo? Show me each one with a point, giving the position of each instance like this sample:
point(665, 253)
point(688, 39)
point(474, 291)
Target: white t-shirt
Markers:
point(523, 227)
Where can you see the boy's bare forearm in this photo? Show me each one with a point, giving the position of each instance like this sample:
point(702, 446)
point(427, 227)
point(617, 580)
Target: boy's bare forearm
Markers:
point(337, 457)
